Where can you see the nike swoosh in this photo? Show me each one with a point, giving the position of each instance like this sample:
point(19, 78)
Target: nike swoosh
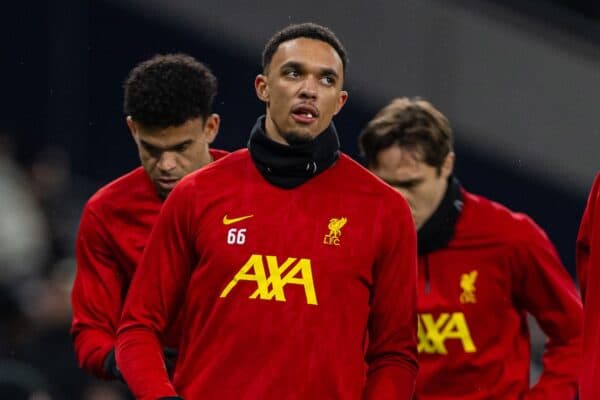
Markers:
point(229, 221)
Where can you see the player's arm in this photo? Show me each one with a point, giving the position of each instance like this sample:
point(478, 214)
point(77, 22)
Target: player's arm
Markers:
point(544, 288)
point(392, 351)
point(584, 238)
point(96, 298)
point(154, 297)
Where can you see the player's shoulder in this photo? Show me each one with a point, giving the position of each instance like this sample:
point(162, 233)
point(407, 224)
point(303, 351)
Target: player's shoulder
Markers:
point(499, 220)
point(215, 173)
point(217, 154)
point(229, 159)
point(124, 187)
point(594, 194)
point(596, 184)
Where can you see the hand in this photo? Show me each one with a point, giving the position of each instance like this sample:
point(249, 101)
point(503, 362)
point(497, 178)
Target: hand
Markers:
point(110, 366)
point(170, 357)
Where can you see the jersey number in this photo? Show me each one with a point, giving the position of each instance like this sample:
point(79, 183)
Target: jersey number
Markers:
point(236, 236)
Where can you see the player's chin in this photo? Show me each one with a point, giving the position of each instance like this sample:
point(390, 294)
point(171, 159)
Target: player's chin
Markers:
point(165, 187)
point(301, 135)
point(163, 194)
point(298, 139)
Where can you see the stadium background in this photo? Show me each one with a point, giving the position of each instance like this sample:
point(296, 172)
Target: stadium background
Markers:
point(519, 81)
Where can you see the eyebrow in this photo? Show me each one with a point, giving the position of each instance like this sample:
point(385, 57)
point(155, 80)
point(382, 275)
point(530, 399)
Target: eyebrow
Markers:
point(297, 65)
point(150, 146)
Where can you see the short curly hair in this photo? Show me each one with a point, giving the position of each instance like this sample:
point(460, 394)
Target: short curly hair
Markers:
point(308, 30)
point(168, 90)
point(411, 123)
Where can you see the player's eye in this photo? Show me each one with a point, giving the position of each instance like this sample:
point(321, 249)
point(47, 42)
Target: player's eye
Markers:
point(328, 80)
point(292, 73)
point(406, 185)
point(181, 148)
point(153, 151)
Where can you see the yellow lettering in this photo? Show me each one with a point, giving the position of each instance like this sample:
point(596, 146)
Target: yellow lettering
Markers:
point(331, 239)
point(254, 262)
point(299, 274)
point(274, 280)
point(457, 328)
point(433, 333)
point(303, 266)
point(432, 339)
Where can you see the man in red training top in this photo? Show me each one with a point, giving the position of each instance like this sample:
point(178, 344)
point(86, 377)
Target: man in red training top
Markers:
point(168, 101)
point(588, 267)
point(482, 268)
point(283, 258)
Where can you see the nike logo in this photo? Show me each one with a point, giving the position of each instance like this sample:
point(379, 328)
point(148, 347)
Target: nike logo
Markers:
point(229, 221)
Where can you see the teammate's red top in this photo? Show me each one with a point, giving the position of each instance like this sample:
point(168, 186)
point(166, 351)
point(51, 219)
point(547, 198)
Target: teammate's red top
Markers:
point(474, 296)
point(588, 271)
point(113, 232)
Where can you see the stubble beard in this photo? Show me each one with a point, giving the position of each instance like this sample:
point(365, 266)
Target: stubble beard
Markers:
point(296, 138)
point(162, 194)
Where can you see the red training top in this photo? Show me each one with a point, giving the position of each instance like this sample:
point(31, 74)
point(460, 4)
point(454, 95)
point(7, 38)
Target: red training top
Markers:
point(588, 272)
point(278, 289)
point(474, 296)
point(115, 225)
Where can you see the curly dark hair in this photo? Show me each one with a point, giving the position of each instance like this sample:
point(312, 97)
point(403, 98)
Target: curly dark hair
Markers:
point(308, 30)
point(411, 123)
point(168, 90)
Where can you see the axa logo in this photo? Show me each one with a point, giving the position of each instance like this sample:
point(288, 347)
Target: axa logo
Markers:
point(467, 284)
point(271, 277)
point(433, 333)
point(335, 231)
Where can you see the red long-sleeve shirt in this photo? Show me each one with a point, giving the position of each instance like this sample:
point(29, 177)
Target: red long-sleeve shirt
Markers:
point(473, 300)
point(114, 228)
point(278, 289)
point(588, 272)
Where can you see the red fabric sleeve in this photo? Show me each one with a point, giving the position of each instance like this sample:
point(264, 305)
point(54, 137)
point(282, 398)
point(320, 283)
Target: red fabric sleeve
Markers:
point(392, 351)
point(584, 238)
point(545, 289)
point(587, 244)
point(96, 296)
point(154, 297)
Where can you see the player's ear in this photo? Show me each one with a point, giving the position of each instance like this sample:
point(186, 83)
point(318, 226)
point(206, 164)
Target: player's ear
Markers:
point(132, 127)
point(262, 88)
point(211, 127)
point(448, 165)
point(343, 97)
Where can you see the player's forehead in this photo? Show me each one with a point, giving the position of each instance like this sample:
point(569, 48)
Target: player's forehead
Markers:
point(171, 136)
point(307, 52)
point(402, 164)
point(395, 156)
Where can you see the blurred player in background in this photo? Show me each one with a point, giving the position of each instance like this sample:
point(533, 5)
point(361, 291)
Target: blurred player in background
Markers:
point(588, 266)
point(282, 257)
point(168, 102)
point(482, 268)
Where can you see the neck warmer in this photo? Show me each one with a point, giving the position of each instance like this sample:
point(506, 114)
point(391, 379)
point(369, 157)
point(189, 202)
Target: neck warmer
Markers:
point(437, 231)
point(288, 166)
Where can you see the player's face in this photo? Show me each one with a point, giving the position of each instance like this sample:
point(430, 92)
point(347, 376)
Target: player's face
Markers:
point(168, 154)
point(422, 185)
point(302, 90)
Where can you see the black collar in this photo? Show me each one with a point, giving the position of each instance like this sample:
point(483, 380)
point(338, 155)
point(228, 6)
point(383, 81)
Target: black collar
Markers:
point(290, 166)
point(437, 231)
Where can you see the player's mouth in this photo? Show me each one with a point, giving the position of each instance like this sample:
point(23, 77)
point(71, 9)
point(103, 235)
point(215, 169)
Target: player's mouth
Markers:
point(305, 113)
point(167, 183)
